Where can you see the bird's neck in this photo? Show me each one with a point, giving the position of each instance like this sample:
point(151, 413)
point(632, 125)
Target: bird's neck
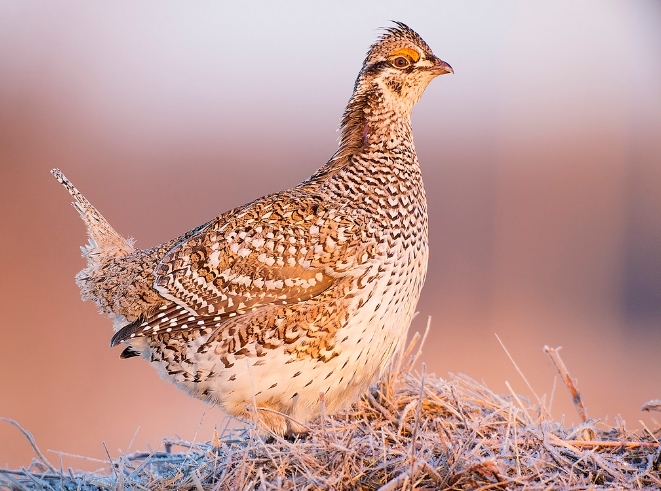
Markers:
point(374, 116)
point(376, 169)
point(375, 128)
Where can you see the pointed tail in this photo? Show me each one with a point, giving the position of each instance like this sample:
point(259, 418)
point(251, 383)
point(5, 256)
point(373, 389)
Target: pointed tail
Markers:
point(104, 241)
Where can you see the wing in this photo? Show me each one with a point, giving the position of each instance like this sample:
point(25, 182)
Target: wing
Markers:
point(281, 249)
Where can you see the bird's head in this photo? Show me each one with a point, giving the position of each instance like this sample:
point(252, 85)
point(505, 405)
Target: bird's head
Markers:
point(401, 64)
point(395, 73)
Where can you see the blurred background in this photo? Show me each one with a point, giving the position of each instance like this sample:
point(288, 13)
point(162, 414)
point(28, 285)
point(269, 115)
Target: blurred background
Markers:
point(541, 158)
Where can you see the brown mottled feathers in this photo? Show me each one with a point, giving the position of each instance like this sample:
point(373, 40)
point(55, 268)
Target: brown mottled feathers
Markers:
point(275, 251)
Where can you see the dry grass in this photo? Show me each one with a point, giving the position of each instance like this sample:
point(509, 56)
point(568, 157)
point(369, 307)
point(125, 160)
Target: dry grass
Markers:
point(410, 431)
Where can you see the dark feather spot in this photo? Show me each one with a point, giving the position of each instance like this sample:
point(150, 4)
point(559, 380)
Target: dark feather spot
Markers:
point(129, 353)
point(395, 86)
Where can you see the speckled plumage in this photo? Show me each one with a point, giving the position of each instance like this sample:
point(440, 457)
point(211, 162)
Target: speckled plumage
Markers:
point(304, 292)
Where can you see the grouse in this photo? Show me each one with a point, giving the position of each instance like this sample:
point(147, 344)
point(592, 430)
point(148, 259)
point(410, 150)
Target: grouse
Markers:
point(298, 296)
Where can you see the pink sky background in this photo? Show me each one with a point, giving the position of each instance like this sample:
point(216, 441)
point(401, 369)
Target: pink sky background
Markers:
point(541, 158)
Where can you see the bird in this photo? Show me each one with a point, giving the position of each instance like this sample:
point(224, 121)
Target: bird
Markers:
point(298, 298)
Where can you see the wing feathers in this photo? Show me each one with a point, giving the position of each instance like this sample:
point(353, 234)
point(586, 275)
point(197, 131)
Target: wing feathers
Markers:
point(271, 250)
point(274, 251)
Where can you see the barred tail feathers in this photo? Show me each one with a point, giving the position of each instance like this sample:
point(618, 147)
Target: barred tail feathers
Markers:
point(104, 240)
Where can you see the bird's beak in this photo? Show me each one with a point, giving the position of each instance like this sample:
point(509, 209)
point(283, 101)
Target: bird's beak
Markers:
point(440, 67)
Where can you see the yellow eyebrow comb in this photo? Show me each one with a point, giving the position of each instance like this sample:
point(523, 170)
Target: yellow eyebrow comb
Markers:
point(411, 53)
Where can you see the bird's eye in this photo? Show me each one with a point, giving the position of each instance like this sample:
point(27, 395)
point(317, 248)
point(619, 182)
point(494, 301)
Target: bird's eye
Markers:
point(403, 57)
point(401, 62)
